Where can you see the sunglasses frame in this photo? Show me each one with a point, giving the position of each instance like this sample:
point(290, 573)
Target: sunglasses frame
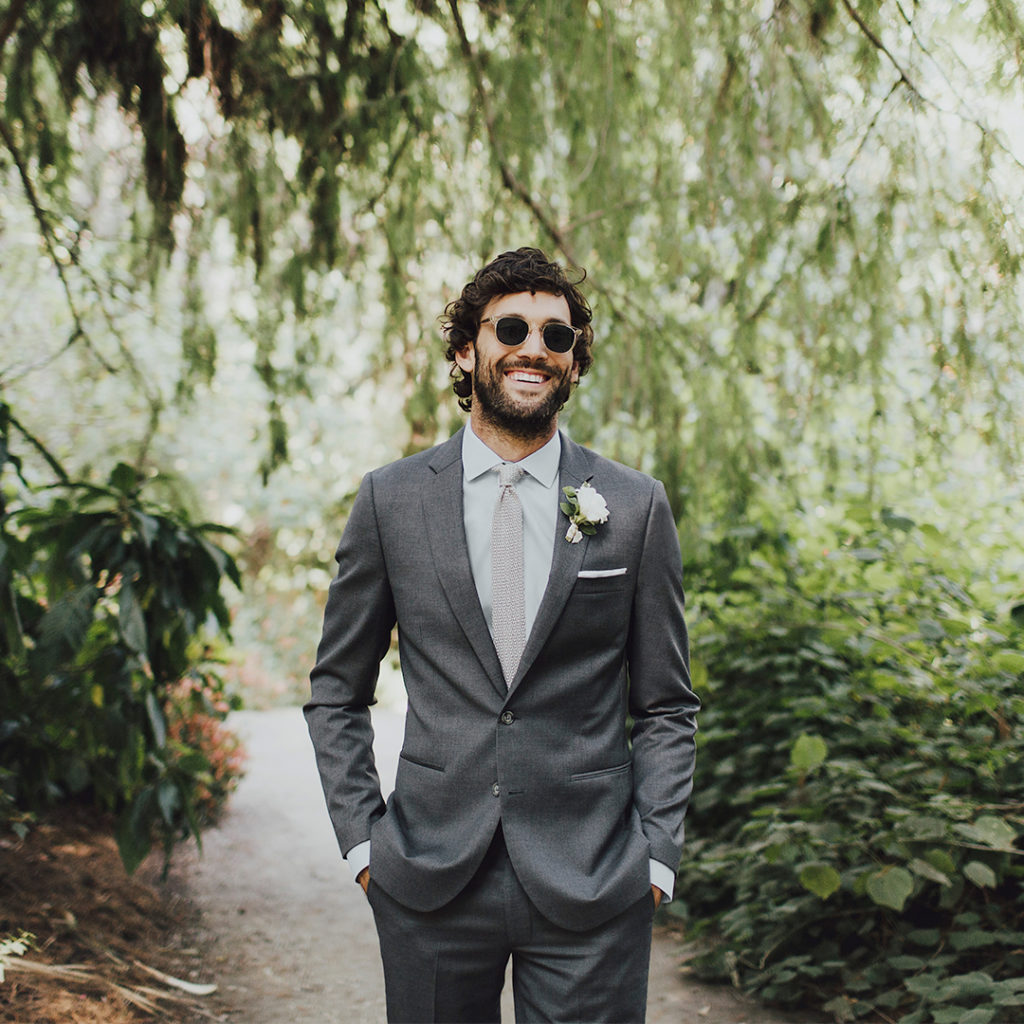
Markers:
point(495, 320)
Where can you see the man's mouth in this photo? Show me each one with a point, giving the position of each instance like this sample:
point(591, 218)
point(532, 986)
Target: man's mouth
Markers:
point(522, 376)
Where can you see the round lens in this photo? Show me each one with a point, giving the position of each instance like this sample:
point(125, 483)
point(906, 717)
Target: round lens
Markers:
point(510, 330)
point(559, 337)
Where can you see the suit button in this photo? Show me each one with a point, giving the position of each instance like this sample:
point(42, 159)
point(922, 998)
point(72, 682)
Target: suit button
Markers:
point(507, 718)
point(495, 791)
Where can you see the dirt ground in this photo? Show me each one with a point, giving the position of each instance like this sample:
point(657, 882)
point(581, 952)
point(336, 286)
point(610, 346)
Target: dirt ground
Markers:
point(98, 936)
point(289, 938)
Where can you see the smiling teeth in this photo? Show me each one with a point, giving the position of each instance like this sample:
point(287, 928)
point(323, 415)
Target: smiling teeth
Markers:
point(528, 378)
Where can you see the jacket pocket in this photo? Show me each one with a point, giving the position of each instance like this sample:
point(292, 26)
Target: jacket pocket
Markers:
point(586, 586)
point(423, 764)
point(600, 773)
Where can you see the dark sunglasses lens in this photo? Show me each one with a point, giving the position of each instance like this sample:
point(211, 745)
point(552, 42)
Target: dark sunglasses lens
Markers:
point(558, 337)
point(510, 330)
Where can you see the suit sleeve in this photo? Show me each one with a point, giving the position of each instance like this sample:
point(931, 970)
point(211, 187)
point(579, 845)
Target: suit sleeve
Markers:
point(358, 620)
point(662, 702)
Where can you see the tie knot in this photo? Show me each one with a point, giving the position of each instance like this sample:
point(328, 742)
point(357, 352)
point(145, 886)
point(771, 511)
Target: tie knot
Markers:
point(509, 474)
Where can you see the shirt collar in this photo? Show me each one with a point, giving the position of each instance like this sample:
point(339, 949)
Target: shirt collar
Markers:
point(542, 464)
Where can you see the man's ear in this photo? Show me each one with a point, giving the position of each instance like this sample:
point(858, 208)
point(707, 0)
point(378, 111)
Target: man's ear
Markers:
point(465, 358)
point(574, 375)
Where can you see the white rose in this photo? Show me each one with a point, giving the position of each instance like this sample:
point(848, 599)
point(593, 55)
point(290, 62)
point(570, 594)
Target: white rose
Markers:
point(574, 534)
point(592, 506)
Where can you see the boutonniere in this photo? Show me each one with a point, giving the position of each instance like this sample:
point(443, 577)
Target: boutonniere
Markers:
point(586, 510)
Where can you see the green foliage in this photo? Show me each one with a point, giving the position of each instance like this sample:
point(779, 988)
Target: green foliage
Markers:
point(857, 830)
point(107, 599)
point(782, 207)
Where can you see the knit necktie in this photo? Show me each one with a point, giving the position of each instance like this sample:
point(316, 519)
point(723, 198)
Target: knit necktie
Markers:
point(508, 611)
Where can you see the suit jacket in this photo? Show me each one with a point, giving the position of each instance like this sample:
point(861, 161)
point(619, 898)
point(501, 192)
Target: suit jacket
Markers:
point(581, 807)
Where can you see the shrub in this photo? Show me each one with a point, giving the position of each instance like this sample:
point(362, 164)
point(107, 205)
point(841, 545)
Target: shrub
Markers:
point(105, 601)
point(195, 710)
point(855, 839)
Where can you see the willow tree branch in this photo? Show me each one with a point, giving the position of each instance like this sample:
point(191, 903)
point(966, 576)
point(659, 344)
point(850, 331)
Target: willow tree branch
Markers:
point(49, 241)
point(50, 459)
point(963, 113)
point(10, 22)
point(869, 131)
point(877, 43)
point(79, 332)
point(508, 176)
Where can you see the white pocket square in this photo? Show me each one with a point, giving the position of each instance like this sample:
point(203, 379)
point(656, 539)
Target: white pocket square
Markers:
point(600, 574)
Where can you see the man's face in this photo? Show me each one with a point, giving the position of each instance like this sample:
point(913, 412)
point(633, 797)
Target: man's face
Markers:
point(520, 389)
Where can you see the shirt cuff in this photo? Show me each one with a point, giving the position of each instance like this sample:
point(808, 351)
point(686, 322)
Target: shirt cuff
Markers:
point(661, 875)
point(359, 857)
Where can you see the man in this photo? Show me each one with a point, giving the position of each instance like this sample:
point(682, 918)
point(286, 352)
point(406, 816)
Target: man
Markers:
point(532, 624)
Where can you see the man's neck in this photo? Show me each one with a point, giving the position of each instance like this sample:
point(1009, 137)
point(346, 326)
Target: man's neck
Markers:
point(510, 447)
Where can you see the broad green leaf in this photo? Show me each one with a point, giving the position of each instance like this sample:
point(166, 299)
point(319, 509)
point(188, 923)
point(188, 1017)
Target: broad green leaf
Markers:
point(907, 963)
point(891, 887)
point(134, 830)
point(133, 624)
point(123, 478)
point(63, 628)
point(922, 827)
point(973, 939)
point(168, 799)
point(867, 554)
point(821, 879)
point(926, 870)
point(941, 861)
point(841, 1008)
point(972, 985)
point(922, 984)
point(962, 1015)
point(990, 831)
point(148, 527)
point(1009, 661)
point(981, 874)
point(157, 721)
point(808, 752)
point(896, 522)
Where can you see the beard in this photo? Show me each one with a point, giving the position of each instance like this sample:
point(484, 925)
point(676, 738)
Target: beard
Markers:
point(522, 419)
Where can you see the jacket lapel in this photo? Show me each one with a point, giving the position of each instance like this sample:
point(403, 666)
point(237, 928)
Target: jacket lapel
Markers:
point(442, 512)
point(566, 561)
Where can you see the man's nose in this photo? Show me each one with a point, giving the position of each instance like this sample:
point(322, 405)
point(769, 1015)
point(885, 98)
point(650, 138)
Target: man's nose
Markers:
point(534, 343)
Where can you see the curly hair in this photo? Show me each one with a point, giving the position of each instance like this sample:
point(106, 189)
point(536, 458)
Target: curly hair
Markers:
point(521, 270)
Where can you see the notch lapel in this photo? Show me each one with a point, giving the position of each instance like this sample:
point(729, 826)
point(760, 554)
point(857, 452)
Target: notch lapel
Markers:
point(574, 468)
point(442, 512)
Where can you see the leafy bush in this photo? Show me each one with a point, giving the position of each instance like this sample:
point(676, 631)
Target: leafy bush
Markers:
point(856, 830)
point(195, 711)
point(105, 600)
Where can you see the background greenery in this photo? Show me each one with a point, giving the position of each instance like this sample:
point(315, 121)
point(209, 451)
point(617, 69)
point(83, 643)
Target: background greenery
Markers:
point(227, 230)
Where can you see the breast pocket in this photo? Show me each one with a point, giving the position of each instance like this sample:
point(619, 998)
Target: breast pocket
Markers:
point(587, 586)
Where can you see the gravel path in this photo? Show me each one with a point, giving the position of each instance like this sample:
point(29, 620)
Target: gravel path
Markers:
point(286, 934)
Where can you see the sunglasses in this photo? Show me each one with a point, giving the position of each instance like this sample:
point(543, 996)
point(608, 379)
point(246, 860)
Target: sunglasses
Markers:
point(514, 330)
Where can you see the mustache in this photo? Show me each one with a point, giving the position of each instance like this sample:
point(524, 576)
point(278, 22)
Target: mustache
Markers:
point(519, 363)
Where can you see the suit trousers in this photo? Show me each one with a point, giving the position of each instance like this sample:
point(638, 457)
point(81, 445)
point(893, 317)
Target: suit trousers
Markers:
point(448, 965)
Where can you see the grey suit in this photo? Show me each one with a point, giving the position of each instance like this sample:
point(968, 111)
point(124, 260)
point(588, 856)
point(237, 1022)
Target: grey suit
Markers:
point(548, 757)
